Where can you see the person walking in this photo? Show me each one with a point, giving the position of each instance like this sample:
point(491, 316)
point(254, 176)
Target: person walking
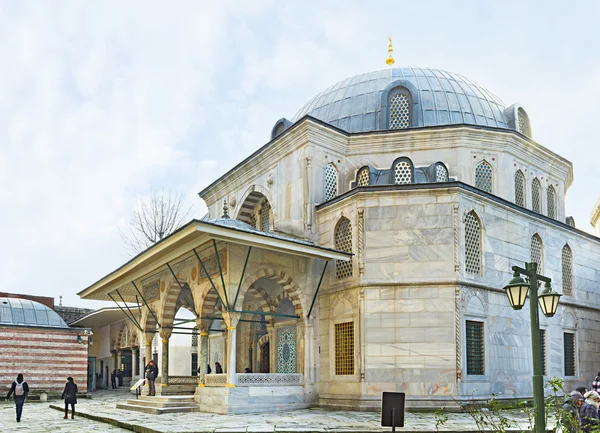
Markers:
point(70, 397)
point(113, 379)
point(20, 389)
point(151, 375)
point(596, 383)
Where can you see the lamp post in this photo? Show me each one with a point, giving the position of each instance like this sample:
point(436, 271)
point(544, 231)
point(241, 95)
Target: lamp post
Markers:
point(516, 291)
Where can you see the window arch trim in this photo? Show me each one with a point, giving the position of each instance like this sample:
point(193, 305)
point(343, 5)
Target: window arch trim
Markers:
point(406, 88)
point(412, 170)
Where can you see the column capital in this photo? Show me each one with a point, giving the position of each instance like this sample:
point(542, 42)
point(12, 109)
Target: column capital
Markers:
point(231, 319)
point(165, 334)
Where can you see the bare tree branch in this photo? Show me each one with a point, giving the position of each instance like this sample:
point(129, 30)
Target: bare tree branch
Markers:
point(155, 217)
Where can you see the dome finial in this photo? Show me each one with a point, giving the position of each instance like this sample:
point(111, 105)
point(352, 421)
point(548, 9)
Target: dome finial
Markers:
point(390, 60)
point(225, 209)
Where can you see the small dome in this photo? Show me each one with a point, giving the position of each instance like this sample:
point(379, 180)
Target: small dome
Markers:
point(30, 313)
point(438, 98)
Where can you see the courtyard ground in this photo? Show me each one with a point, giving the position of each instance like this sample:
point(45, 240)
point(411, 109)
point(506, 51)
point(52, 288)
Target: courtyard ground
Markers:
point(98, 414)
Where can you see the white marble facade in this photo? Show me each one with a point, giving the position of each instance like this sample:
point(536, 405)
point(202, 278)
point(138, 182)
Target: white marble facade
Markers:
point(409, 294)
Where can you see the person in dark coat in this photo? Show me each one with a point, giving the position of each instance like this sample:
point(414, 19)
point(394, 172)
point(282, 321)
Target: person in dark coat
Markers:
point(151, 375)
point(588, 411)
point(569, 417)
point(113, 379)
point(247, 370)
point(120, 377)
point(218, 368)
point(20, 389)
point(70, 397)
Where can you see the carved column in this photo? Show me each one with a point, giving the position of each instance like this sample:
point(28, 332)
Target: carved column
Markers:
point(149, 338)
point(164, 367)
point(308, 350)
point(202, 353)
point(231, 319)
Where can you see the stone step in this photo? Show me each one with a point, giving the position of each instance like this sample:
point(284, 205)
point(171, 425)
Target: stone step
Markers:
point(169, 398)
point(162, 403)
point(155, 410)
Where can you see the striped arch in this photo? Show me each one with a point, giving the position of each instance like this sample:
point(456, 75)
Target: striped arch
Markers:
point(148, 321)
point(295, 301)
point(280, 277)
point(207, 305)
point(251, 198)
point(266, 305)
point(170, 303)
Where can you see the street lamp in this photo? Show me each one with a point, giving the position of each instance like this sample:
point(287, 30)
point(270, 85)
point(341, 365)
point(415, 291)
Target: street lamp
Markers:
point(516, 291)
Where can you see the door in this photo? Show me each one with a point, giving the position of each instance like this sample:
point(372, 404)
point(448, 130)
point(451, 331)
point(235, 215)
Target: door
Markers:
point(264, 358)
point(91, 374)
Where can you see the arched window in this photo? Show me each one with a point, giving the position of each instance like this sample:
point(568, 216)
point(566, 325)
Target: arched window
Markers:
point(567, 271)
point(403, 171)
point(551, 196)
point(331, 182)
point(484, 179)
point(472, 244)
point(523, 123)
point(519, 188)
point(441, 173)
point(536, 252)
point(264, 215)
point(536, 196)
point(363, 176)
point(343, 242)
point(399, 103)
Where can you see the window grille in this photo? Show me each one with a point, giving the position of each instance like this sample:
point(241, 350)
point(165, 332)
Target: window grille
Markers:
point(265, 216)
point(536, 196)
point(363, 177)
point(252, 221)
point(543, 350)
point(519, 188)
point(195, 337)
point(551, 195)
point(399, 112)
point(343, 242)
point(441, 174)
point(472, 244)
point(567, 271)
point(194, 364)
point(475, 348)
point(331, 182)
point(569, 351)
point(344, 348)
point(484, 177)
point(537, 253)
point(403, 173)
point(522, 121)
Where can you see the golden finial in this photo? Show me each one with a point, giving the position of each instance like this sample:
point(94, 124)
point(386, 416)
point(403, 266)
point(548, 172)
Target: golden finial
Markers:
point(390, 60)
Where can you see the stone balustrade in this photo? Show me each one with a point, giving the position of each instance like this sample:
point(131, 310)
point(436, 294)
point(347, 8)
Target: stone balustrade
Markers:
point(183, 380)
point(269, 379)
point(215, 379)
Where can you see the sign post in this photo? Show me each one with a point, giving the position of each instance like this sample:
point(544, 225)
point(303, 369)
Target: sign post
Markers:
point(392, 409)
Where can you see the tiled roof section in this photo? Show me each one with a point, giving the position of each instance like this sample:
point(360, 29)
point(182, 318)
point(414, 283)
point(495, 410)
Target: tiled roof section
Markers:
point(442, 98)
point(71, 314)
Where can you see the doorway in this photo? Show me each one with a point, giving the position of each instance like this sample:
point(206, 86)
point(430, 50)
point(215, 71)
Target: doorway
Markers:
point(91, 374)
point(265, 357)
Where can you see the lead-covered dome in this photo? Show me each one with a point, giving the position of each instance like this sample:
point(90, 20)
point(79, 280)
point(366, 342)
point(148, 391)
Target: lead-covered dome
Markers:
point(408, 97)
point(30, 313)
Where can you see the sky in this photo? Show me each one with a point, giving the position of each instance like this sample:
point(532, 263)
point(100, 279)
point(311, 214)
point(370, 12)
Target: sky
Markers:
point(102, 102)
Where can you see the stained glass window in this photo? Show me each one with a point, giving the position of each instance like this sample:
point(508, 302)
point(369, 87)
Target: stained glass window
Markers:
point(536, 196)
point(567, 271)
point(343, 242)
point(537, 253)
point(331, 182)
point(344, 348)
point(399, 112)
point(551, 196)
point(520, 188)
point(484, 177)
point(472, 244)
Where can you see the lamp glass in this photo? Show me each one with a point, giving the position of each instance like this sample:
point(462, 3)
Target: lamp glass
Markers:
point(517, 291)
point(549, 303)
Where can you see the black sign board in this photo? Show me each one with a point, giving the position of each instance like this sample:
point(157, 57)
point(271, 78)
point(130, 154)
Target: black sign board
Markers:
point(392, 409)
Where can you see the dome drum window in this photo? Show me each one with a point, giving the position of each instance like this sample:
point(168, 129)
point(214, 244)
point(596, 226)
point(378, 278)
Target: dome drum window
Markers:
point(519, 188)
point(441, 173)
point(536, 196)
point(484, 179)
point(399, 111)
point(522, 124)
point(551, 196)
point(331, 182)
point(363, 176)
point(403, 171)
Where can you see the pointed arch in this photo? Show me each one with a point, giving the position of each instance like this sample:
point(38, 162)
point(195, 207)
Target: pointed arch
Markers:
point(253, 199)
point(175, 299)
point(551, 201)
point(520, 188)
point(484, 177)
point(536, 195)
point(343, 242)
point(472, 243)
point(567, 270)
point(536, 252)
point(331, 181)
point(403, 171)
